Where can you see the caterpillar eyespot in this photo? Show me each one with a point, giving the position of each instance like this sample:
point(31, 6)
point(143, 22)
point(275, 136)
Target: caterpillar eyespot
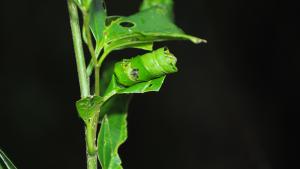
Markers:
point(145, 67)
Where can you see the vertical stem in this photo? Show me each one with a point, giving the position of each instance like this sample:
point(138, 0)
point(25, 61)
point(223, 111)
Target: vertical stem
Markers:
point(90, 134)
point(97, 80)
point(92, 125)
point(86, 21)
point(77, 42)
point(92, 162)
point(83, 77)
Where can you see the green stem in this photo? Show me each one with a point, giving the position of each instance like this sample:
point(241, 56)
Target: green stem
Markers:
point(83, 81)
point(86, 21)
point(92, 125)
point(92, 162)
point(90, 134)
point(77, 42)
point(97, 80)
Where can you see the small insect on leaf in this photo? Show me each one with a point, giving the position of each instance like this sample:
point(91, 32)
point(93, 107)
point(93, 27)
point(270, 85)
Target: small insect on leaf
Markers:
point(145, 67)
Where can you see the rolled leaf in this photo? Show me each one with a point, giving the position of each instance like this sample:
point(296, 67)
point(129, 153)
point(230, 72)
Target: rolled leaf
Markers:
point(145, 67)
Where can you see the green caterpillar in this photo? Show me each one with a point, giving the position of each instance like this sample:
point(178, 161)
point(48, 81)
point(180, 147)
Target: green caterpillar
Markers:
point(145, 67)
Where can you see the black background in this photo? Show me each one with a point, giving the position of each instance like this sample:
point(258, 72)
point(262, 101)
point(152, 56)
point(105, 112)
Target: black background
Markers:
point(227, 108)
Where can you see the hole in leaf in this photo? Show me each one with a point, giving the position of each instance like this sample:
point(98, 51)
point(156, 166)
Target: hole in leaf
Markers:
point(150, 85)
point(110, 19)
point(127, 24)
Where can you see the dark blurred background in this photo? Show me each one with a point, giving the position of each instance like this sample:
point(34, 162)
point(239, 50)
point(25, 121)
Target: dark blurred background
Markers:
point(227, 108)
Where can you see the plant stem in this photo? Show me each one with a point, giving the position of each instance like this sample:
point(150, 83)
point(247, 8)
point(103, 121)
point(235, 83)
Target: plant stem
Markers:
point(97, 80)
point(84, 82)
point(77, 42)
point(92, 162)
point(86, 20)
point(90, 135)
point(92, 125)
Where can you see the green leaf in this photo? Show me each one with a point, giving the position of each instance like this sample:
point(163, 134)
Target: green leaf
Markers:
point(87, 107)
point(98, 16)
point(5, 163)
point(143, 45)
point(107, 73)
point(167, 4)
point(150, 25)
point(78, 3)
point(113, 132)
point(143, 87)
point(83, 4)
point(87, 3)
point(153, 85)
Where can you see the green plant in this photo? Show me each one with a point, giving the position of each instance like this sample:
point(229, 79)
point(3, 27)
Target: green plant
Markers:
point(5, 162)
point(107, 104)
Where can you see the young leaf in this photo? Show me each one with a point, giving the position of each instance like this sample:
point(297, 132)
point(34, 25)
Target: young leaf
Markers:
point(167, 4)
point(87, 107)
point(113, 132)
point(147, 26)
point(5, 163)
point(97, 18)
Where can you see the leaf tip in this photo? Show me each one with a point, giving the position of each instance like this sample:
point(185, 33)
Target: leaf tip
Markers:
point(198, 40)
